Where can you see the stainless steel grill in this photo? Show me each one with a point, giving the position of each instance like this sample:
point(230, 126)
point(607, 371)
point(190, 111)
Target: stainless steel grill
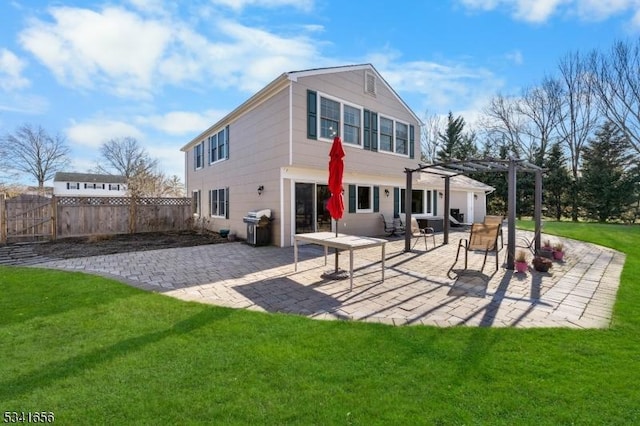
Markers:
point(258, 227)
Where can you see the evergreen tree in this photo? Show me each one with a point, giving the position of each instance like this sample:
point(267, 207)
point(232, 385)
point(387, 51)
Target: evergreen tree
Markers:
point(607, 179)
point(455, 143)
point(557, 180)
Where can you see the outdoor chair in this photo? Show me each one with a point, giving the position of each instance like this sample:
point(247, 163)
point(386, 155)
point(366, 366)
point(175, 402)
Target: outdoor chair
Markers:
point(488, 220)
point(417, 233)
point(483, 238)
point(392, 228)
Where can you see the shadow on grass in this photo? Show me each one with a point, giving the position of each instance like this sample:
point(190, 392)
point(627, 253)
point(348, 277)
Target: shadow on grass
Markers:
point(50, 373)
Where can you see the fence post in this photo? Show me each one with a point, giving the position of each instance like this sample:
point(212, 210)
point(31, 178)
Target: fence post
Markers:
point(3, 219)
point(54, 218)
point(132, 214)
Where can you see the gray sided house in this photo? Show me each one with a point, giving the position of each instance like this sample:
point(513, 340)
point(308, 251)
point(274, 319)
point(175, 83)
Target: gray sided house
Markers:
point(272, 152)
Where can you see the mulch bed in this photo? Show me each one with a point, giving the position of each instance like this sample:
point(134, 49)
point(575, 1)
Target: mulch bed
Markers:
point(69, 248)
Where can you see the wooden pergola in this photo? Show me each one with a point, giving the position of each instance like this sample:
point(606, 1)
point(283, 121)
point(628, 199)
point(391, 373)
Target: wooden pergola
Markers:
point(449, 169)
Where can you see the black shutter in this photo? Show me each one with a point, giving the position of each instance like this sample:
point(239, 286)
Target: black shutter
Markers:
point(226, 200)
point(435, 203)
point(376, 199)
point(396, 202)
point(226, 135)
point(312, 115)
point(67, 185)
point(352, 198)
point(367, 129)
point(374, 131)
point(411, 141)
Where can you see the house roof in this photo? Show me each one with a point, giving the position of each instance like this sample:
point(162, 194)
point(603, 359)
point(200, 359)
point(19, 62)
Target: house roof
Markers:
point(88, 177)
point(283, 81)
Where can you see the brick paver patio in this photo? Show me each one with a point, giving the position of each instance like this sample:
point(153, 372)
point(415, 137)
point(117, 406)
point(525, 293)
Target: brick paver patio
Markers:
point(578, 292)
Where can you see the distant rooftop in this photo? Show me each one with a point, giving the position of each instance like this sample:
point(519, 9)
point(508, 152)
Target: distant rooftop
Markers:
point(88, 177)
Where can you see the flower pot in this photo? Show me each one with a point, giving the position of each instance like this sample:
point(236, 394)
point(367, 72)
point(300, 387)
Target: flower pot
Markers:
point(546, 252)
point(558, 255)
point(541, 264)
point(223, 233)
point(522, 266)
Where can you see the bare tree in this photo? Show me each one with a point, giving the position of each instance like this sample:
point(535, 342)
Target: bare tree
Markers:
point(578, 116)
point(32, 151)
point(616, 82)
point(502, 120)
point(125, 157)
point(541, 106)
point(433, 126)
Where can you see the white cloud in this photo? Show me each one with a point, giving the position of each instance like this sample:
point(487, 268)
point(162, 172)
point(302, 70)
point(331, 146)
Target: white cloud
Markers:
point(538, 11)
point(94, 133)
point(238, 5)
point(11, 68)
point(515, 57)
point(132, 55)
point(182, 122)
point(114, 47)
point(441, 87)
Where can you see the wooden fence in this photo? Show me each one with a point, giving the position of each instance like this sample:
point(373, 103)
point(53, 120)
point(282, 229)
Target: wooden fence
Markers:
point(32, 218)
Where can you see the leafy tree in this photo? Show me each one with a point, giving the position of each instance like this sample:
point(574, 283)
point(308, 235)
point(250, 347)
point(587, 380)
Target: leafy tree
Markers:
point(607, 176)
point(557, 180)
point(32, 151)
point(455, 143)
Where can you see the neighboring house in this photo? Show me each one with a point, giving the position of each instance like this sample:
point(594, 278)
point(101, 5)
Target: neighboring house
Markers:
point(89, 185)
point(272, 152)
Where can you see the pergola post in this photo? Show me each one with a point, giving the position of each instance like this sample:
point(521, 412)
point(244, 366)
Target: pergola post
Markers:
point(447, 206)
point(511, 227)
point(538, 210)
point(408, 195)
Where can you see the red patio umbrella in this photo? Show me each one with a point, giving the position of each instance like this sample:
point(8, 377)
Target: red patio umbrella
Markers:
point(335, 205)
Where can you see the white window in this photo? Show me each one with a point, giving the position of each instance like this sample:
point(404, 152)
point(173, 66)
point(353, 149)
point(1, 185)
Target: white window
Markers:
point(402, 138)
point(218, 202)
point(114, 187)
point(329, 118)
point(198, 153)
point(386, 134)
point(195, 202)
point(364, 199)
point(352, 125)
point(394, 136)
point(73, 185)
point(218, 146)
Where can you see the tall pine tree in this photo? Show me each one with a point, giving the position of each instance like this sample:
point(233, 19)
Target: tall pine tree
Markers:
point(607, 179)
point(556, 182)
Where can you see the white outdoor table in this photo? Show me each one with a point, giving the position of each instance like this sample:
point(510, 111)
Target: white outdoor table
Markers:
point(341, 242)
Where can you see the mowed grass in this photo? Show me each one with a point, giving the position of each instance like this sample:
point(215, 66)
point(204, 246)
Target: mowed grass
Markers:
point(95, 351)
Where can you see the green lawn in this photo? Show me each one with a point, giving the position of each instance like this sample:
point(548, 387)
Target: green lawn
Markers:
point(93, 350)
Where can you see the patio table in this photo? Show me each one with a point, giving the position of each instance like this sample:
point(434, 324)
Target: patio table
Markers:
point(341, 242)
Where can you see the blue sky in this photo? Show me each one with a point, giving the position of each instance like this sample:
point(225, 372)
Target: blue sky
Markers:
point(162, 71)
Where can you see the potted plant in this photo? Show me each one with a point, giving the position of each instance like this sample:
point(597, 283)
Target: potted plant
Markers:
point(542, 264)
point(558, 251)
point(546, 250)
point(521, 261)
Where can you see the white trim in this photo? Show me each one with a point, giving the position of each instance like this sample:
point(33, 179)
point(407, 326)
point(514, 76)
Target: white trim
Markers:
point(290, 123)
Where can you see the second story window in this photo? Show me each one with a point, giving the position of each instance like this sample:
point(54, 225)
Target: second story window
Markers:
point(329, 118)
point(386, 134)
point(219, 145)
point(198, 153)
point(402, 136)
point(351, 125)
